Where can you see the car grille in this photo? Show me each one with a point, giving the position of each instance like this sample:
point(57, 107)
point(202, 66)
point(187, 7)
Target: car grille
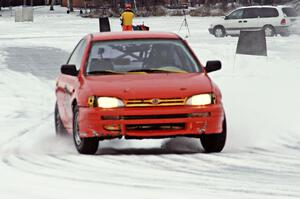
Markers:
point(145, 117)
point(155, 102)
point(147, 127)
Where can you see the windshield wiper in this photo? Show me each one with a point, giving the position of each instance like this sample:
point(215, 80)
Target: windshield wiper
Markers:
point(103, 72)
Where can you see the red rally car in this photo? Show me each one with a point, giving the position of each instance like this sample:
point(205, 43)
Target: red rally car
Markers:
point(138, 85)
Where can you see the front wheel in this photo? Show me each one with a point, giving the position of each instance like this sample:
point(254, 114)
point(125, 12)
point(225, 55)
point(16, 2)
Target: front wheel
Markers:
point(219, 31)
point(214, 142)
point(59, 126)
point(83, 145)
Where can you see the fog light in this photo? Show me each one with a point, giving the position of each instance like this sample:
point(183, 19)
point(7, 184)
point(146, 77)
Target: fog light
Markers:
point(112, 127)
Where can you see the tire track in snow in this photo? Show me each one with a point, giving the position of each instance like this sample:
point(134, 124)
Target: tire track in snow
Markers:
point(255, 172)
point(69, 164)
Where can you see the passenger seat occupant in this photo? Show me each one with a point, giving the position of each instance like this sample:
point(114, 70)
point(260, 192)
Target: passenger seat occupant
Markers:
point(127, 18)
point(160, 56)
point(100, 65)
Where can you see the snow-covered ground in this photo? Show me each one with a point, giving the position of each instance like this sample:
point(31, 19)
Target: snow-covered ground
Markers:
point(261, 97)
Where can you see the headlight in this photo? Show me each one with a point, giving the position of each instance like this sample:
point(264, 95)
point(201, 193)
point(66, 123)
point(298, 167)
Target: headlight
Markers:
point(201, 99)
point(109, 102)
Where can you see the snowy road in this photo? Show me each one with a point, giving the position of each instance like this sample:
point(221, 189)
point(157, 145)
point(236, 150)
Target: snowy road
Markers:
point(261, 98)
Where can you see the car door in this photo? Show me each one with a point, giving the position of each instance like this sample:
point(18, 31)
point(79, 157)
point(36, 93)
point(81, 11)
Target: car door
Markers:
point(233, 22)
point(270, 16)
point(71, 82)
point(251, 19)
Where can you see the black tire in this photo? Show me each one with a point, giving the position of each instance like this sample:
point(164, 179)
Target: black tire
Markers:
point(269, 31)
point(83, 145)
point(214, 142)
point(219, 31)
point(60, 130)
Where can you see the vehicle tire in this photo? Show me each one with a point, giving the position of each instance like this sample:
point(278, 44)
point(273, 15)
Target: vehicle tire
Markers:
point(83, 145)
point(60, 130)
point(214, 142)
point(219, 31)
point(269, 31)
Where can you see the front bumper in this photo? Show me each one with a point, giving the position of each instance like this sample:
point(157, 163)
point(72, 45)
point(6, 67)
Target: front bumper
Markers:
point(150, 122)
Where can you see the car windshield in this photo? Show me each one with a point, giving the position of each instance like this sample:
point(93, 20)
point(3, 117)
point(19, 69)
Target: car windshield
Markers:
point(139, 57)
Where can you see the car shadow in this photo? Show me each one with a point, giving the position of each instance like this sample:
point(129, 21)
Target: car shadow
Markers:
point(171, 146)
point(40, 61)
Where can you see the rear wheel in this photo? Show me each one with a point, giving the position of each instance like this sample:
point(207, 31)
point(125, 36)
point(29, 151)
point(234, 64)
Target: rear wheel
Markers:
point(269, 31)
point(83, 145)
point(59, 126)
point(214, 142)
point(219, 31)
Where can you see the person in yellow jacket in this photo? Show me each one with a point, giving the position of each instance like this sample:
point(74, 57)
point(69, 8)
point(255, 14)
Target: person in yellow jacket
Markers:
point(127, 18)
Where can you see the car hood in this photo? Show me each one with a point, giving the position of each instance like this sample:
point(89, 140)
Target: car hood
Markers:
point(144, 86)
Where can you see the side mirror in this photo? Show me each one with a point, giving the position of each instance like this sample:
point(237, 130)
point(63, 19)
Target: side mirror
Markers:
point(69, 69)
point(226, 17)
point(213, 66)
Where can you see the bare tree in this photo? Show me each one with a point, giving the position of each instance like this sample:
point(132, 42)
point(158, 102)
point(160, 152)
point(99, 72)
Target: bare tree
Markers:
point(70, 6)
point(174, 2)
point(114, 4)
point(52, 5)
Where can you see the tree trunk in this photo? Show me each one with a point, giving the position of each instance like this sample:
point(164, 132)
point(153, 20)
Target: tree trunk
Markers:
point(52, 5)
point(134, 4)
point(70, 5)
point(114, 4)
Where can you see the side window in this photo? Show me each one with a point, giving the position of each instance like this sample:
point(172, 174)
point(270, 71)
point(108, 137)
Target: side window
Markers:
point(236, 14)
point(289, 12)
point(77, 54)
point(251, 13)
point(268, 12)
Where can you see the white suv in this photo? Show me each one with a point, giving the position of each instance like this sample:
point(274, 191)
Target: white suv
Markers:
point(273, 19)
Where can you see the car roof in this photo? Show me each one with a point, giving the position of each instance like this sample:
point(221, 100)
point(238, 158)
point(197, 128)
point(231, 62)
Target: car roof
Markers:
point(104, 36)
point(267, 6)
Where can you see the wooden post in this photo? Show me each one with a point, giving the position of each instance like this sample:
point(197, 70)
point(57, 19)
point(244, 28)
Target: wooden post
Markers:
point(70, 6)
point(52, 5)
